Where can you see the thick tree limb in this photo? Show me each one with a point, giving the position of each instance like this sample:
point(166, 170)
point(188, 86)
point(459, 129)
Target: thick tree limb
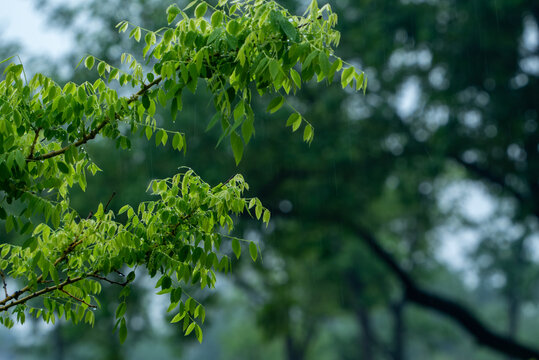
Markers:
point(449, 308)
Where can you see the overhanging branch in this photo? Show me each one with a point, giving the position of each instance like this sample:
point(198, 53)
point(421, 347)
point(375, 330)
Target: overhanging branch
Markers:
point(447, 307)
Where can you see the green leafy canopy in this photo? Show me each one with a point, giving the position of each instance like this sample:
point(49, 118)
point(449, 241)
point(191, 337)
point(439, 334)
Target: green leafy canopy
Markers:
point(235, 49)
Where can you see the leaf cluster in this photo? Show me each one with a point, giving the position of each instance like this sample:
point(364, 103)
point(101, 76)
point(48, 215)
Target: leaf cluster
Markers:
point(236, 49)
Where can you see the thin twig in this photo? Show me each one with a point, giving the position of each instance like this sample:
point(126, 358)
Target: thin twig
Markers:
point(109, 281)
point(33, 147)
point(79, 300)
point(108, 202)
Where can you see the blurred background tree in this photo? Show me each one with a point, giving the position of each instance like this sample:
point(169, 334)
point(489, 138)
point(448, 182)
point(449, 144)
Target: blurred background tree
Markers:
point(438, 163)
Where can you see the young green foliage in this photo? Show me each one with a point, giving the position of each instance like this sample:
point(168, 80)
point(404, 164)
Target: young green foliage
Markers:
point(235, 49)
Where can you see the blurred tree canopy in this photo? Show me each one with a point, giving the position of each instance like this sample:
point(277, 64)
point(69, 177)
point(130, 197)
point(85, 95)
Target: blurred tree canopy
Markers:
point(353, 260)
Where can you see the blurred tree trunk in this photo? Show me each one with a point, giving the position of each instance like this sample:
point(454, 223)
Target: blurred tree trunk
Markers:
point(294, 350)
point(513, 309)
point(59, 345)
point(366, 335)
point(397, 311)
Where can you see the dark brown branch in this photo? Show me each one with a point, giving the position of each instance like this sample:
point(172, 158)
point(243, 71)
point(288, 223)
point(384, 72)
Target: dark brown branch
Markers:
point(32, 148)
point(79, 300)
point(92, 134)
point(77, 241)
point(447, 307)
point(108, 202)
point(40, 279)
point(108, 280)
point(41, 292)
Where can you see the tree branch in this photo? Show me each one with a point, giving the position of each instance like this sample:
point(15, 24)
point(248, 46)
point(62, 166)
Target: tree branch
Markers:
point(108, 280)
point(449, 308)
point(108, 202)
point(32, 148)
point(92, 134)
point(42, 292)
point(79, 300)
point(77, 241)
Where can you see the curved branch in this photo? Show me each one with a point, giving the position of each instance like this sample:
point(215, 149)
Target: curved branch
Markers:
point(43, 291)
point(91, 135)
point(447, 307)
point(80, 142)
point(77, 299)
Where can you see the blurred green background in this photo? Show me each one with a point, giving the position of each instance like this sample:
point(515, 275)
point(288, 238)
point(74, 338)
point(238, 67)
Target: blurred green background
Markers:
point(439, 162)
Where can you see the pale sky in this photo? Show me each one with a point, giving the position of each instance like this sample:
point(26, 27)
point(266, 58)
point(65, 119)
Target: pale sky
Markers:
point(22, 23)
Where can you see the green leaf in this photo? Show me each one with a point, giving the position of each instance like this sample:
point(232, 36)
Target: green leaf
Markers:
point(176, 141)
point(289, 29)
point(309, 59)
point(247, 129)
point(347, 76)
point(215, 118)
point(62, 166)
point(190, 5)
point(308, 133)
point(123, 331)
point(275, 68)
point(167, 37)
point(275, 104)
point(258, 210)
point(237, 147)
point(295, 77)
point(145, 101)
point(200, 10)
point(149, 132)
point(233, 27)
point(296, 124)
point(101, 68)
point(216, 18)
point(359, 81)
point(172, 12)
point(89, 62)
point(166, 283)
point(266, 217)
point(137, 34)
point(9, 58)
point(120, 310)
point(236, 248)
point(124, 27)
point(239, 111)
point(198, 333)
point(178, 317)
point(253, 251)
point(323, 61)
point(336, 66)
point(293, 118)
point(190, 329)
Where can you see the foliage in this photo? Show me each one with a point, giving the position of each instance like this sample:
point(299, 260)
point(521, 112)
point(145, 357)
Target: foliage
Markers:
point(177, 237)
